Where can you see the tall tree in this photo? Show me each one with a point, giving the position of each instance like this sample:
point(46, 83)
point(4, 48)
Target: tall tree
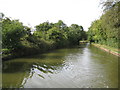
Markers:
point(12, 32)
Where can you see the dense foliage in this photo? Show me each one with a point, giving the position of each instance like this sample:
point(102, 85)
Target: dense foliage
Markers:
point(12, 32)
point(18, 38)
point(60, 34)
point(106, 29)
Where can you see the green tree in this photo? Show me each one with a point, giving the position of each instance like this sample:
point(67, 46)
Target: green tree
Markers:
point(12, 32)
point(75, 34)
point(106, 29)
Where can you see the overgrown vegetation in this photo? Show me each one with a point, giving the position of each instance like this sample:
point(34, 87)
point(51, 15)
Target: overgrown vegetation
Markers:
point(17, 40)
point(106, 30)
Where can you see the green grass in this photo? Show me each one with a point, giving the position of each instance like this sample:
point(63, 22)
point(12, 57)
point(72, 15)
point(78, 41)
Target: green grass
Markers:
point(109, 48)
point(84, 41)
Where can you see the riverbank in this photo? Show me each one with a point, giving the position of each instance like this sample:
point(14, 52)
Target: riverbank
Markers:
point(7, 55)
point(108, 49)
point(82, 42)
point(26, 52)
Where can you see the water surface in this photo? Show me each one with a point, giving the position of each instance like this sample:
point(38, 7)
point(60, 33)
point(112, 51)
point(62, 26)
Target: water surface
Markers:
point(79, 67)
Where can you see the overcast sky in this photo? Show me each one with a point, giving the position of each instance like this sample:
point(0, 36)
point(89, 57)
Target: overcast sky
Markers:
point(34, 12)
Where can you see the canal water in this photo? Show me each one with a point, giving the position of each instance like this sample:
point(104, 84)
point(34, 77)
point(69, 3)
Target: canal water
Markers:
point(79, 67)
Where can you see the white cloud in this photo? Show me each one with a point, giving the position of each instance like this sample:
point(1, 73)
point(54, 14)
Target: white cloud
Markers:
point(81, 12)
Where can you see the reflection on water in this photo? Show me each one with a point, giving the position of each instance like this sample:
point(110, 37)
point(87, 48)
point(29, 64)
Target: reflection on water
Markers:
point(79, 67)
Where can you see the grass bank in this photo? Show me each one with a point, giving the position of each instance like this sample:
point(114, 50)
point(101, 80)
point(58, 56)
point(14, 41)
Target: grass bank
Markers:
point(108, 49)
point(25, 52)
point(81, 42)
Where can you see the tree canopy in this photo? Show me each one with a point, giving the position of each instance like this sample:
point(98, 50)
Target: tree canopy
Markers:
point(17, 37)
point(106, 29)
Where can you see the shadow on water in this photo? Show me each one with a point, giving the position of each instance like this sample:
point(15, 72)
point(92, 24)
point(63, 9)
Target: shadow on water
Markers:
point(16, 72)
point(79, 67)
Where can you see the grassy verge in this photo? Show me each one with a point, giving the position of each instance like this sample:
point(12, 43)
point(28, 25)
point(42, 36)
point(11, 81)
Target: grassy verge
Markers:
point(84, 41)
point(109, 49)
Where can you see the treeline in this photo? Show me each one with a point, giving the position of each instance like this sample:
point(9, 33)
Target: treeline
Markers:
point(106, 30)
point(18, 39)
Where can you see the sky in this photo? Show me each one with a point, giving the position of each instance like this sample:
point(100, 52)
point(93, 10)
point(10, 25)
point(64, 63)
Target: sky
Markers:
point(34, 12)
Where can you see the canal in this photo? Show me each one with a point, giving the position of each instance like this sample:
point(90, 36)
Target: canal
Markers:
point(83, 66)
